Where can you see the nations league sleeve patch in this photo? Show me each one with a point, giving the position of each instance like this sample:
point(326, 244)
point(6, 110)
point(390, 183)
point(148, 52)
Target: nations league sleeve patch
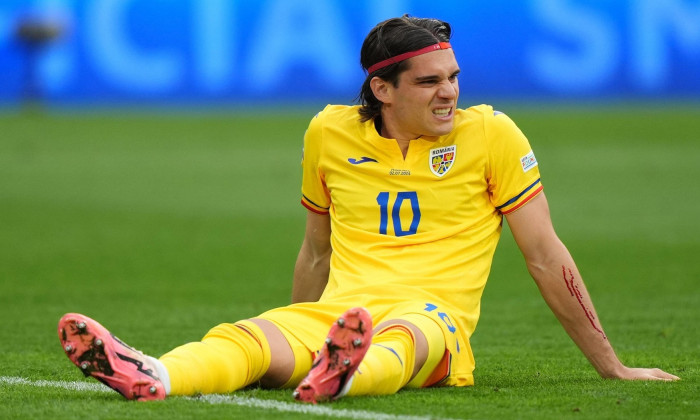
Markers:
point(528, 161)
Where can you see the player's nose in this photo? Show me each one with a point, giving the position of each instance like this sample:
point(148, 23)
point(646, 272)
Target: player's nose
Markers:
point(448, 89)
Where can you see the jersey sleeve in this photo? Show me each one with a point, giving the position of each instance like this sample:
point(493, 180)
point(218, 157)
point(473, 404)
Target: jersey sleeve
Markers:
point(514, 176)
point(314, 194)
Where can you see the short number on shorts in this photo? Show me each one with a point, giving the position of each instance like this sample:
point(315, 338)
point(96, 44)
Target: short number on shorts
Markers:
point(401, 197)
point(429, 307)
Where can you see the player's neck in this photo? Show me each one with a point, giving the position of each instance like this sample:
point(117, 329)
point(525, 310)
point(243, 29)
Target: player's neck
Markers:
point(383, 131)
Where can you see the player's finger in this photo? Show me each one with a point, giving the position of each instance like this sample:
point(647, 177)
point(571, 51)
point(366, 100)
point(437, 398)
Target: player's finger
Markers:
point(659, 374)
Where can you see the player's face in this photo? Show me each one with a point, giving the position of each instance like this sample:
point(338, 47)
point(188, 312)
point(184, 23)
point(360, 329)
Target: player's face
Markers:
point(424, 102)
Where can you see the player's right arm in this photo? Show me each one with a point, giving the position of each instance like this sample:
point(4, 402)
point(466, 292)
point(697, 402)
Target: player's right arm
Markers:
point(313, 262)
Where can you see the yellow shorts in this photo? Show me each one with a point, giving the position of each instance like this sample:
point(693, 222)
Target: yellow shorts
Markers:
point(305, 326)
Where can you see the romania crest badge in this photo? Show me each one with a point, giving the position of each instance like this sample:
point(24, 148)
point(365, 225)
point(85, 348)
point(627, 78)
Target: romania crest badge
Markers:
point(442, 159)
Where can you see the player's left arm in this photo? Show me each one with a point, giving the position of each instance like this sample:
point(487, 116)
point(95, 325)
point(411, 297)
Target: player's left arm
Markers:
point(561, 285)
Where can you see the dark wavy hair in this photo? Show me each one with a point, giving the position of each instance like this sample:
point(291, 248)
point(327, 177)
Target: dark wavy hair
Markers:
point(388, 39)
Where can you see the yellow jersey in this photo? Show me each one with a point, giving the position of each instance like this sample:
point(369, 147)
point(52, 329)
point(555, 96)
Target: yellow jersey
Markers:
point(424, 227)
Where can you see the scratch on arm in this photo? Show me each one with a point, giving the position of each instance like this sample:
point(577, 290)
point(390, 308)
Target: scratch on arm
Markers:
point(574, 291)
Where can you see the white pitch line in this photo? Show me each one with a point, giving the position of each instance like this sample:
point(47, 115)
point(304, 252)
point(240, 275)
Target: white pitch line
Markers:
point(314, 410)
point(71, 386)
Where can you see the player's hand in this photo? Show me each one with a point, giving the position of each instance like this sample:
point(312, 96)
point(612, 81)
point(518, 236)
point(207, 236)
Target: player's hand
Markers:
point(645, 374)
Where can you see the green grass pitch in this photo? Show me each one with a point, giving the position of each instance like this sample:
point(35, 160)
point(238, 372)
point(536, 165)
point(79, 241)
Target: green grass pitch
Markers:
point(163, 225)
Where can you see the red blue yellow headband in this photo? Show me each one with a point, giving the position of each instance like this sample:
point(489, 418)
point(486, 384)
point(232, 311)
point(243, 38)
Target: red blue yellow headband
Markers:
point(406, 56)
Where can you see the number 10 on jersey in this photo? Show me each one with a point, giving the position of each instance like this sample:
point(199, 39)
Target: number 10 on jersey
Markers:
point(403, 198)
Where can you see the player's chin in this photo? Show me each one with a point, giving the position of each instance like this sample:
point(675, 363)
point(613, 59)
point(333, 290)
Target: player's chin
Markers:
point(443, 127)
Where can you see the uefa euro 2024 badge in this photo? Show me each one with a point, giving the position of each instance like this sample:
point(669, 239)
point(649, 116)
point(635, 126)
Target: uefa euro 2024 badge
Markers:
point(528, 161)
point(442, 159)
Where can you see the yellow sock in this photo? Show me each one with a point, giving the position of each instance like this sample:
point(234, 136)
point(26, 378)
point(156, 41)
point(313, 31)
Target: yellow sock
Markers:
point(388, 364)
point(436, 351)
point(229, 357)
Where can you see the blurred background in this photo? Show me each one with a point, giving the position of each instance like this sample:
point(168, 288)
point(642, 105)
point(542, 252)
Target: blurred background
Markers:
point(281, 52)
point(150, 177)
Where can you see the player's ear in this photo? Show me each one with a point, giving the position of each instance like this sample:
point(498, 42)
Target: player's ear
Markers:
point(380, 88)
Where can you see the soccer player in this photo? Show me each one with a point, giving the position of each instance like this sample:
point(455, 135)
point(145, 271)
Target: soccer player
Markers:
point(406, 194)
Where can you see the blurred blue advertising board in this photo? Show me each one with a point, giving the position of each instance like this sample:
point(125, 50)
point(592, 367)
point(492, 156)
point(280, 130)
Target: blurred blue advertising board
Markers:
point(227, 51)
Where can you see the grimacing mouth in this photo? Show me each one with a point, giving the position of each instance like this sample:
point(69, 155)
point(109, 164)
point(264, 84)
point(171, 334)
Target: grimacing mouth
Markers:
point(442, 112)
